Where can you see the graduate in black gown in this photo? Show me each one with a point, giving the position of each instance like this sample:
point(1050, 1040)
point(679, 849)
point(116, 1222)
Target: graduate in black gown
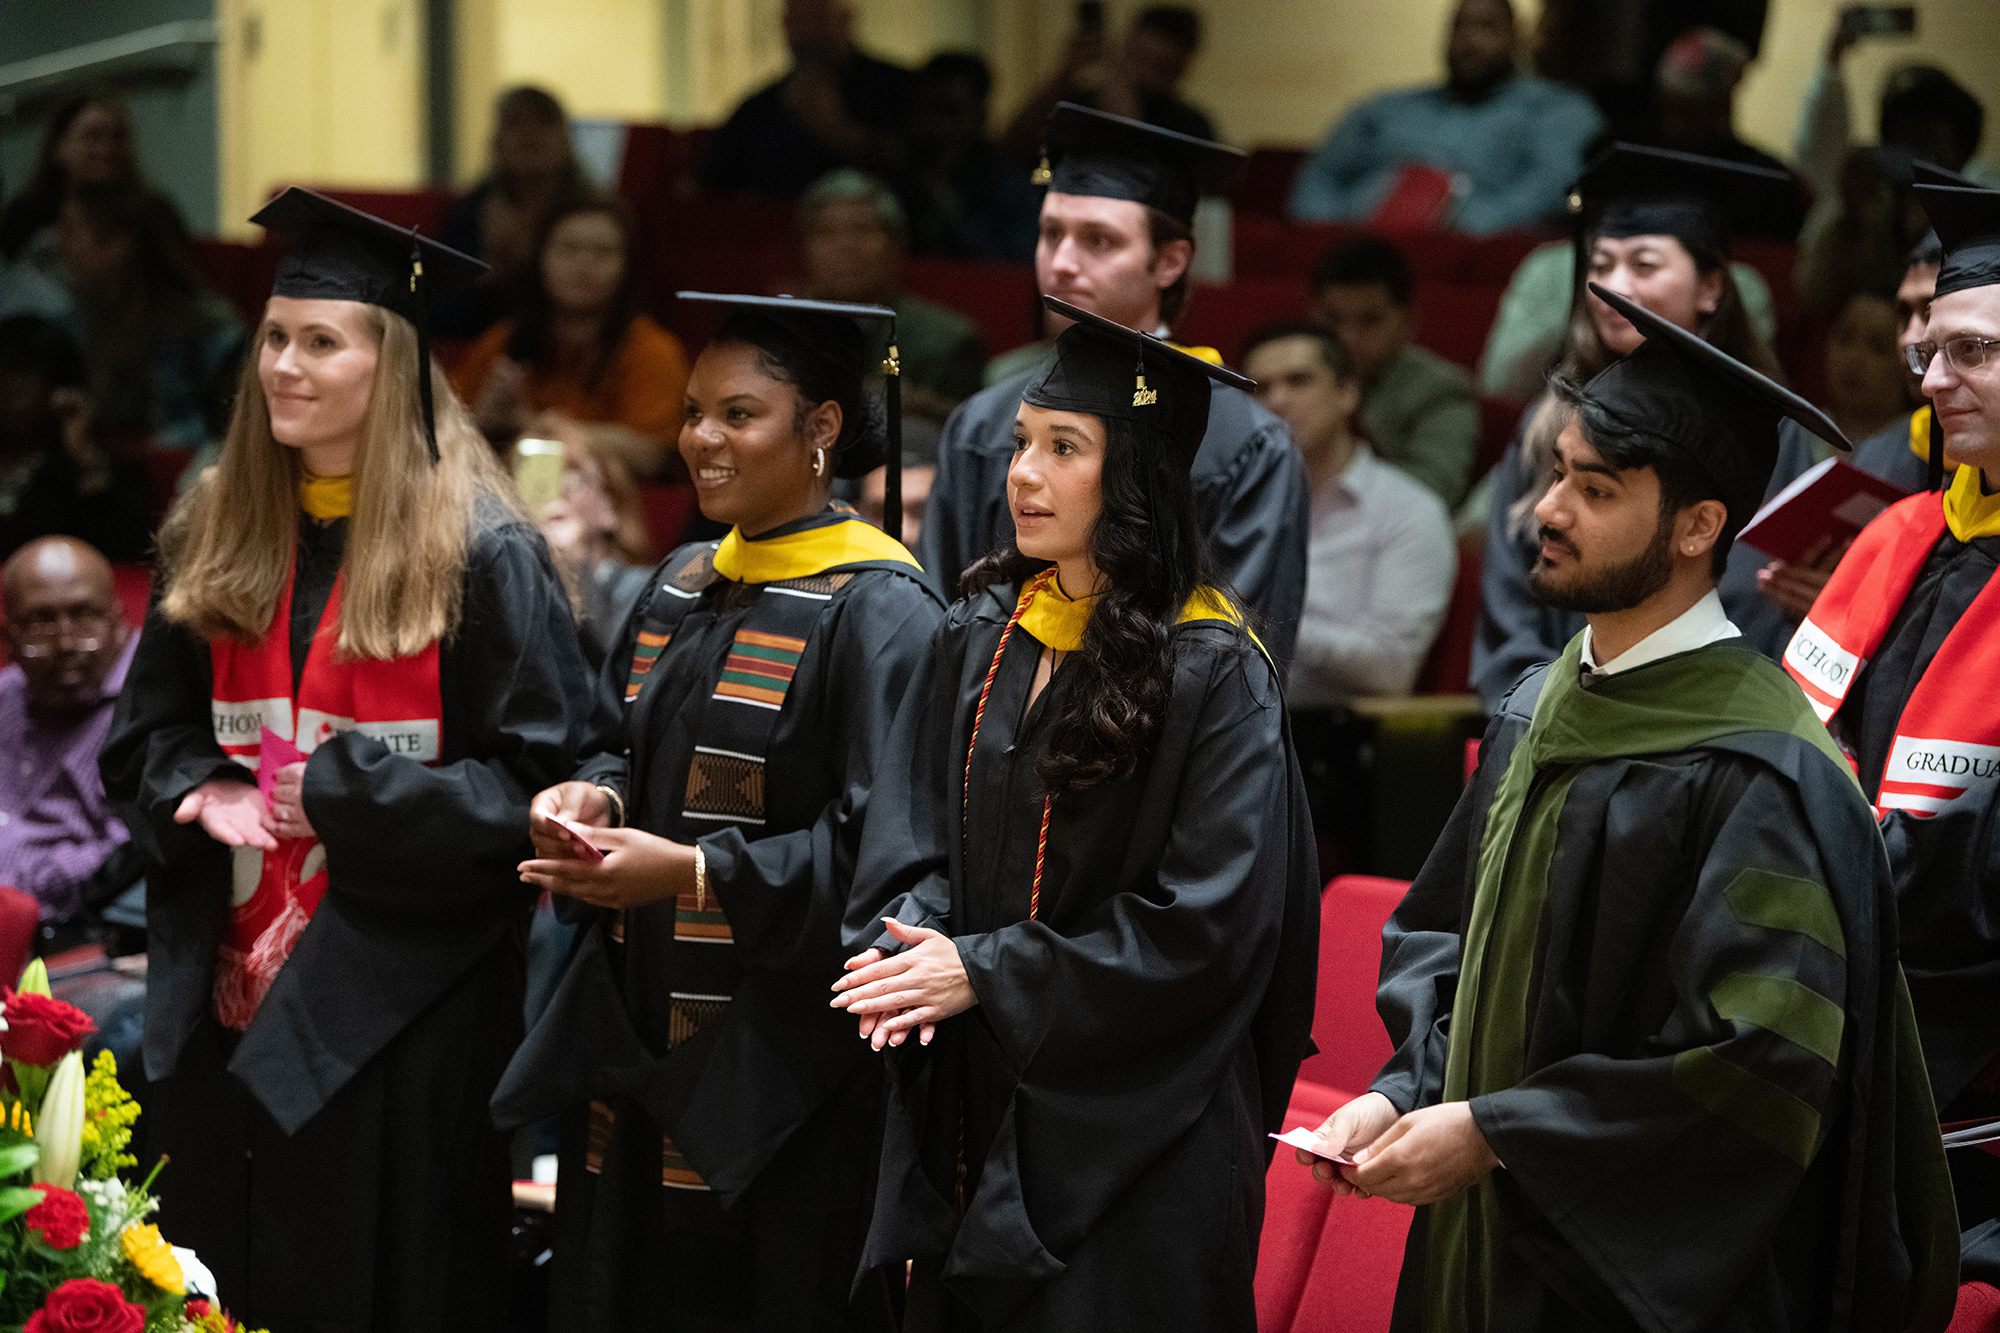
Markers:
point(336, 973)
point(1090, 894)
point(1656, 226)
point(1901, 654)
point(1116, 238)
point(1655, 1062)
point(720, 1121)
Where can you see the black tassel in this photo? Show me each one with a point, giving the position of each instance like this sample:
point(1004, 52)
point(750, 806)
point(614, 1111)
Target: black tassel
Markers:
point(420, 299)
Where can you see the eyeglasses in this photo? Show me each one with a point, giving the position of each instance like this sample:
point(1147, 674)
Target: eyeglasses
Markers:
point(1961, 354)
point(84, 631)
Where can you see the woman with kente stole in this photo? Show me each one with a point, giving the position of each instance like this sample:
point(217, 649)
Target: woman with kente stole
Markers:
point(360, 667)
point(719, 1122)
point(1088, 888)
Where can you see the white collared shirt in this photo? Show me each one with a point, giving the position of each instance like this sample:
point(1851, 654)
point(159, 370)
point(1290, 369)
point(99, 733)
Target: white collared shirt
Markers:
point(1700, 625)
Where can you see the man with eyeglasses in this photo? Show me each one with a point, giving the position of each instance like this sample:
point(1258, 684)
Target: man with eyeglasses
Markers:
point(66, 634)
point(1900, 656)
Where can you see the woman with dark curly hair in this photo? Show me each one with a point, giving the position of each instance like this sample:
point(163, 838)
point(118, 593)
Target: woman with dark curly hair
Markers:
point(1091, 892)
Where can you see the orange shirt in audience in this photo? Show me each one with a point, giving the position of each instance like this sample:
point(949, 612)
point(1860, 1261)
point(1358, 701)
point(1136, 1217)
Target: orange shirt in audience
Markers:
point(642, 388)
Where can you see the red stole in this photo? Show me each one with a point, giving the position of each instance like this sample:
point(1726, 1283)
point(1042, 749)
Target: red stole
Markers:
point(273, 894)
point(1948, 737)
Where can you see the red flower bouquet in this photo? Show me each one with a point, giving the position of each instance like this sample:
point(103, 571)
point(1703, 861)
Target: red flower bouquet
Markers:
point(42, 1030)
point(61, 1218)
point(85, 1305)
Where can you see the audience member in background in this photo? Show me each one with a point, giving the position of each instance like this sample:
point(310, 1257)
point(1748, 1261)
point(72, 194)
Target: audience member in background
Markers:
point(1866, 219)
point(88, 143)
point(1611, 49)
point(1657, 228)
point(1116, 240)
point(855, 239)
point(67, 635)
point(1898, 452)
point(1695, 109)
point(578, 362)
point(1418, 409)
point(1866, 378)
point(597, 534)
point(961, 196)
point(1508, 141)
point(25, 290)
point(836, 107)
point(154, 335)
point(920, 451)
point(534, 169)
point(1379, 556)
point(55, 477)
point(1140, 80)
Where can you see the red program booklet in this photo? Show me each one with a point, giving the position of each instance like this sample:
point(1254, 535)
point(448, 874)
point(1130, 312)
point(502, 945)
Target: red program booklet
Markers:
point(1419, 200)
point(1833, 499)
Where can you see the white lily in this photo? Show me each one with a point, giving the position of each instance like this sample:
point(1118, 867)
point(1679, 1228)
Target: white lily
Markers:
point(59, 1127)
point(34, 978)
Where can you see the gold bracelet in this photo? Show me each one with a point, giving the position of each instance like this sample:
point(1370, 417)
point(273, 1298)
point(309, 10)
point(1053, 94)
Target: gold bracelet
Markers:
point(617, 801)
point(700, 879)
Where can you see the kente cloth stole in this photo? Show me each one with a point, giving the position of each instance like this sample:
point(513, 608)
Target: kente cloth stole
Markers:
point(725, 782)
point(274, 894)
point(1947, 739)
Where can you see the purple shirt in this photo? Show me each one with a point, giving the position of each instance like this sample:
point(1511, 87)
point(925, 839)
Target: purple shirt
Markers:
point(55, 826)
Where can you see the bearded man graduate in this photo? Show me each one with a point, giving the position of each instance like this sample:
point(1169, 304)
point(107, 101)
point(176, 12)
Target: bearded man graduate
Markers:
point(1655, 1066)
point(1117, 240)
point(1900, 656)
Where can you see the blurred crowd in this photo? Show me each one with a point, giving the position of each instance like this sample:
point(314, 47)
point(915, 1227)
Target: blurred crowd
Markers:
point(119, 358)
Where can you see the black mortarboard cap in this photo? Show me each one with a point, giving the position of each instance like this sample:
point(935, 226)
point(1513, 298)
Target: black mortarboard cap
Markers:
point(1686, 392)
point(343, 254)
point(1967, 222)
point(1108, 370)
point(830, 329)
point(1704, 202)
point(1095, 153)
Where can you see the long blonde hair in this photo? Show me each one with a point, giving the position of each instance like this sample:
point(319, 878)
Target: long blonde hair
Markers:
point(228, 544)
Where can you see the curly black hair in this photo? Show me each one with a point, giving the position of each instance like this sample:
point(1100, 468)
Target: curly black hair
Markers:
point(1148, 544)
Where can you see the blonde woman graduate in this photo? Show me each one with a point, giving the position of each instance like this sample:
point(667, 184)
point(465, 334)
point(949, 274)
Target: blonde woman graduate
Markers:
point(720, 1121)
point(1088, 891)
point(360, 668)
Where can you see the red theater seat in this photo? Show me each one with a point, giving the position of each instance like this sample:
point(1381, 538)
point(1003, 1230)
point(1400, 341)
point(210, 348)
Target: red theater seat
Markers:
point(1000, 298)
point(422, 209)
point(1499, 418)
point(1324, 1264)
point(1266, 186)
point(18, 918)
point(1453, 319)
point(1352, 1043)
point(1447, 668)
point(668, 509)
point(1224, 317)
point(1978, 1309)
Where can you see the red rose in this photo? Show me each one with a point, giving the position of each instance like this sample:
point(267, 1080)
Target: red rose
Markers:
point(85, 1305)
point(196, 1309)
point(61, 1218)
point(42, 1030)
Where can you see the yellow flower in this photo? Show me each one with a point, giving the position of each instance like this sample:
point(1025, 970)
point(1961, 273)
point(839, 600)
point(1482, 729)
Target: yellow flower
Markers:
point(153, 1257)
point(108, 1113)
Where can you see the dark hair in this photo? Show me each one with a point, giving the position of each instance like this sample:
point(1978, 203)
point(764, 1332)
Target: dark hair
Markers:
point(43, 348)
point(960, 67)
point(1162, 228)
point(1927, 93)
point(1179, 24)
point(1369, 261)
point(1683, 481)
point(42, 195)
point(1332, 352)
point(533, 340)
point(1148, 545)
point(824, 361)
point(537, 104)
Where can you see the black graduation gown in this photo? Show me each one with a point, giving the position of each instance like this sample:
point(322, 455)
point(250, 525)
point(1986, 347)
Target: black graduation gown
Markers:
point(1947, 865)
point(1626, 1203)
point(1110, 1092)
point(1516, 631)
point(774, 1101)
point(1249, 489)
point(335, 1165)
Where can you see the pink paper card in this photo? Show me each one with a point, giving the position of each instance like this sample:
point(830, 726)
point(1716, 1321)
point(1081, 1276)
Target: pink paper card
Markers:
point(273, 753)
point(579, 846)
point(1305, 1139)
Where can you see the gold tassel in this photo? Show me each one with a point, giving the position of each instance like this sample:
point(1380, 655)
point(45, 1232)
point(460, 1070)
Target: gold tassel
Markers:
point(1040, 175)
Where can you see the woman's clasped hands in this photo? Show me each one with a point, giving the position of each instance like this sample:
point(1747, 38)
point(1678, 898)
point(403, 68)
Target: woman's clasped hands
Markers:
point(913, 990)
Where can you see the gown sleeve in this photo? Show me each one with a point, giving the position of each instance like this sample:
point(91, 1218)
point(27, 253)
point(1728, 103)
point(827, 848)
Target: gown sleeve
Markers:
point(1258, 515)
point(516, 708)
point(1709, 1125)
point(957, 530)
